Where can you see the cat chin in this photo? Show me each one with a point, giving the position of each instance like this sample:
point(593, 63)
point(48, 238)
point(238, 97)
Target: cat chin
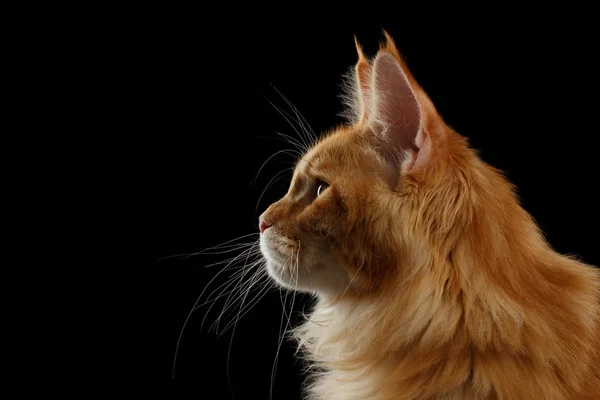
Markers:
point(312, 270)
point(327, 279)
point(285, 277)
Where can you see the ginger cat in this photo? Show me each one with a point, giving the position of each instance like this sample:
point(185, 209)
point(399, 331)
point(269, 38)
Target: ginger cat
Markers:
point(433, 282)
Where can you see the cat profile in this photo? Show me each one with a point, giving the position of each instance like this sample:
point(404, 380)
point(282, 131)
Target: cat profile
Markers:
point(433, 282)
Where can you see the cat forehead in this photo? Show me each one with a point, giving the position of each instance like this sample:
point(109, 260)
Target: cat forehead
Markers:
point(338, 153)
point(333, 151)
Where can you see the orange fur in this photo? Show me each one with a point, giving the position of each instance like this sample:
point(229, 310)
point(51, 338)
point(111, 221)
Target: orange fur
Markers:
point(453, 292)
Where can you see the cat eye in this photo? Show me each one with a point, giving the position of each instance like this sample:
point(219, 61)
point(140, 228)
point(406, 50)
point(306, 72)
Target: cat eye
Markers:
point(322, 186)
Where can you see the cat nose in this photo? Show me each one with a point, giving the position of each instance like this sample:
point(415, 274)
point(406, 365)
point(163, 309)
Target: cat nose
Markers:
point(262, 225)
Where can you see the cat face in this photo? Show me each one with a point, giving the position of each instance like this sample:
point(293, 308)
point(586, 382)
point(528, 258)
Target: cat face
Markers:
point(306, 242)
point(356, 209)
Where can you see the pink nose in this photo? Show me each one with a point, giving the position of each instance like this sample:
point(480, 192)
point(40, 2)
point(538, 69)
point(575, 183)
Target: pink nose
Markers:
point(263, 226)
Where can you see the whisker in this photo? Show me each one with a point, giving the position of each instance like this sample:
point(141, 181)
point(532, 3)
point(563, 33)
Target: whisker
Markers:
point(275, 361)
point(287, 117)
point(229, 250)
point(229, 241)
point(230, 281)
point(300, 118)
point(300, 146)
point(187, 255)
point(229, 305)
point(297, 146)
point(254, 253)
point(271, 182)
point(286, 151)
point(246, 269)
point(244, 309)
point(260, 294)
point(226, 307)
point(282, 333)
point(354, 277)
point(194, 307)
point(305, 139)
point(284, 138)
point(233, 334)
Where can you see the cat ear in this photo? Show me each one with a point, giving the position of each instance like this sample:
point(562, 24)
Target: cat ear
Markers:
point(398, 107)
point(363, 78)
point(396, 114)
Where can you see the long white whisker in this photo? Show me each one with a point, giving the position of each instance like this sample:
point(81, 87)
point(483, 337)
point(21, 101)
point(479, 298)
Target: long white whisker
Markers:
point(232, 240)
point(299, 115)
point(354, 277)
point(254, 253)
point(194, 307)
point(295, 285)
point(261, 293)
point(299, 145)
point(233, 281)
point(226, 307)
point(246, 268)
point(306, 140)
point(312, 138)
point(224, 244)
point(283, 328)
point(230, 281)
point(284, 138)
point(287, 118)
point(244, 309)
point(233, 333)
point(272, 181)
point(283, 299)
point(242, 293)
point(229, 249)
point(286, 151)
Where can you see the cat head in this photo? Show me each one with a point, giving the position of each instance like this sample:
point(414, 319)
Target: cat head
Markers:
point(375, 199)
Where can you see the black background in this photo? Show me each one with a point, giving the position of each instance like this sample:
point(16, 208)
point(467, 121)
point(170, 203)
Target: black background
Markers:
point(519, 85)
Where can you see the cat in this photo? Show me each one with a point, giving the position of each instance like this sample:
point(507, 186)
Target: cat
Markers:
point(432, 281)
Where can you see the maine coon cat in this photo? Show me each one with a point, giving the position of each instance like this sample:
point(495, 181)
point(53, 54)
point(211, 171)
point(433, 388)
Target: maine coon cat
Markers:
point(433, 282)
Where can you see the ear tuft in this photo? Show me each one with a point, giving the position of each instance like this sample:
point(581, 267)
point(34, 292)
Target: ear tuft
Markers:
point(359, 50)
point(356, 91)
point(363, 77)
point(389, 46)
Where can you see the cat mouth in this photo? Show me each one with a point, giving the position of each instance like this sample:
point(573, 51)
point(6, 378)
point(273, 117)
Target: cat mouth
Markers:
point(278, 248)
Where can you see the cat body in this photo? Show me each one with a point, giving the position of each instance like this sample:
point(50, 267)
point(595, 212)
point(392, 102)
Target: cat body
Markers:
point(433, 282)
